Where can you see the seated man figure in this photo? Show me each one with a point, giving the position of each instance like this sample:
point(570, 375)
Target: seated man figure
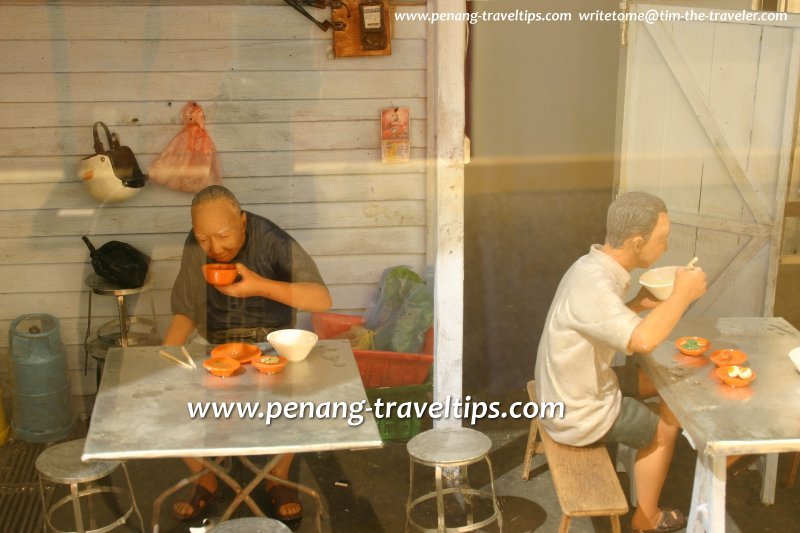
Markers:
point(588, 322)
point(277, 277)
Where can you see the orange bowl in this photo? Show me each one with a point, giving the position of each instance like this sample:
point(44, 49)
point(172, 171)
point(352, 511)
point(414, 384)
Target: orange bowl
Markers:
point(242, 352)
point(269, 364)
point(727, 357)
point(685, 345)
point(220, 273)
point(722, 373)
point(221, 366)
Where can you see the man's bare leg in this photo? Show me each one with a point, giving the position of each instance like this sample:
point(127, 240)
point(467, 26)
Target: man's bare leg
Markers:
point(281, 470)
point(207, 481)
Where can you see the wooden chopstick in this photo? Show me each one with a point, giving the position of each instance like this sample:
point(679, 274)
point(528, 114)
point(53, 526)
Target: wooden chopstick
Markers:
point(188, 357)
point(162, 353)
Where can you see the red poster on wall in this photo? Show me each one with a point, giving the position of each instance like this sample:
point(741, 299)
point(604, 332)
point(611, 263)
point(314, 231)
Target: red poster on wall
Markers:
point(395, 143)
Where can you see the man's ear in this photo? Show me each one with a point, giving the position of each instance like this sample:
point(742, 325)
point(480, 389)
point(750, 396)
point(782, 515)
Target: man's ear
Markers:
point(244, 220)
point(636, 243)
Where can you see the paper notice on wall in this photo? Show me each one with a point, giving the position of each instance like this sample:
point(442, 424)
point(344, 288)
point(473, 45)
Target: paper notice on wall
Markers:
point(395, 143)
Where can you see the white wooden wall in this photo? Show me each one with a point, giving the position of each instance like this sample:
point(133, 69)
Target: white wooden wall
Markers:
point(297, 133)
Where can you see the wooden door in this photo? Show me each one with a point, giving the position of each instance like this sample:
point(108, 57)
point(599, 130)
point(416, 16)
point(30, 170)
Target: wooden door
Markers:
point(708, 125)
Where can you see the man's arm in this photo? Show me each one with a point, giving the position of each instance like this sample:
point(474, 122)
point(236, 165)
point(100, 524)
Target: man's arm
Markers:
point(657, 325)
point(179, 330)
point(305, 296)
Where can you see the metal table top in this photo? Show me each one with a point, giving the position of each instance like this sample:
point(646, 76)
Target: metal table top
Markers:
point(763, 417)
point(141, 407)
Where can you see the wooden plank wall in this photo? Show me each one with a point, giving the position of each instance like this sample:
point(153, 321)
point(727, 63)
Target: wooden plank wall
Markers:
point(297, 133)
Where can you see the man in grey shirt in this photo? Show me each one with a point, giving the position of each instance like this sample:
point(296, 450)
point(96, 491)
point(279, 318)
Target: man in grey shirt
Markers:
point(589, 322)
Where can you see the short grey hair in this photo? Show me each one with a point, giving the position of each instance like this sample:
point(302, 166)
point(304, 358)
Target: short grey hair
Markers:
point(632, 214)
point(213, 193)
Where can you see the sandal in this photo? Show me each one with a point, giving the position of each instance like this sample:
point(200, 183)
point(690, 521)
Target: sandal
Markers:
point(199, 502)
point(280, 495)
point(670, 520)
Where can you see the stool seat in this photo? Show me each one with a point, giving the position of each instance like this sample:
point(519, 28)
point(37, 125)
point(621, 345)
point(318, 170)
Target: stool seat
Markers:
point(62, 464)
point(449, 445)
point(101, 285)
point(252, 525)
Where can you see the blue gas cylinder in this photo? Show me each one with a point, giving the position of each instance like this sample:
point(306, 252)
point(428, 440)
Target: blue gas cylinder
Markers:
point(41, 410)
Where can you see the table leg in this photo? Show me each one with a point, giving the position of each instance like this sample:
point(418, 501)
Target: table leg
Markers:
point(264, 473)
point(707, 511)
point(768, 468)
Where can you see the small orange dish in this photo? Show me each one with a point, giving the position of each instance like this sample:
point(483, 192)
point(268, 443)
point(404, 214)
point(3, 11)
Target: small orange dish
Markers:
point(269, 364)
point(728, 357)
point(242, 352)
point(220, 273)
point(732, 375)
point(692, 346)
point(221, 366)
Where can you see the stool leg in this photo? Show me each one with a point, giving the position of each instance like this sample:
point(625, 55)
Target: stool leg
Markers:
point(44, 507)
point(76, 508)
point(530, 449)
point(439, 502)
point(793, 470)
point(133, 498)
point(615, 524)
point(563, 527)
point(467, 497)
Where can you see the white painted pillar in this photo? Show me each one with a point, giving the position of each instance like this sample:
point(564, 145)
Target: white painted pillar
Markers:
point(446, 116)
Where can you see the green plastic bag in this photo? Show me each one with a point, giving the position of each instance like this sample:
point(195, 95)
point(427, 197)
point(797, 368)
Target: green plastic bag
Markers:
point(402, 312)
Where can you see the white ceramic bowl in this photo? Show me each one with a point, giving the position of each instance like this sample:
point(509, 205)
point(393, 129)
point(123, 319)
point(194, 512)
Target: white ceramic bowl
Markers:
point(659, 281)
point(293, 344)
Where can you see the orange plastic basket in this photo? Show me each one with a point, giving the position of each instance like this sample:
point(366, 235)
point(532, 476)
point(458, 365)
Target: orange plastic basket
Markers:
point(391, 369)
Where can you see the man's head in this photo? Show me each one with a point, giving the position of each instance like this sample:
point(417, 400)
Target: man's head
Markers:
point(218, 223)
point(637, 223)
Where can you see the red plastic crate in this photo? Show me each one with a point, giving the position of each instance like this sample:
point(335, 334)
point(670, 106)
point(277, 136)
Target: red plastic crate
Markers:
point(391, 369)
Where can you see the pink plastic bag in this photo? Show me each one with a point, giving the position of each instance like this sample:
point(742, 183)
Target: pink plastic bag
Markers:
point(189, 162)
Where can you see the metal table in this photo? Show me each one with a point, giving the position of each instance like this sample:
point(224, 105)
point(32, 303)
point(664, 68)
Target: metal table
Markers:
point(142, 411)
point(763, 418)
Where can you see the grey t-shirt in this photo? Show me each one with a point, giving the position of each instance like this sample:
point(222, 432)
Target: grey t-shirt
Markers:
point(587, 323)
point(268, 251)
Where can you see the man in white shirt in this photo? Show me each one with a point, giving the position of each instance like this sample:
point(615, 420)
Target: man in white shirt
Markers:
point(588, 322)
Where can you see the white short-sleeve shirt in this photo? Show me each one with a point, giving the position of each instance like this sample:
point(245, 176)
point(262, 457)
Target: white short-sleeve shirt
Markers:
point(588, 322)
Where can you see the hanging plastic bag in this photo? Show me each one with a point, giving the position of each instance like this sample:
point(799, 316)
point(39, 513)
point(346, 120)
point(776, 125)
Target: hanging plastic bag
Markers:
point(360, 338)
point(402, 313)
point(189, 162)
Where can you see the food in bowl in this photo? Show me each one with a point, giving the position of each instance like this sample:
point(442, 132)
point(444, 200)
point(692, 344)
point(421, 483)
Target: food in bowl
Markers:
point(293, 344)
point(221, 366)
point(220, 273)
point(736, 376)
point(692, 346)
point(659, 281)
point(269, 364)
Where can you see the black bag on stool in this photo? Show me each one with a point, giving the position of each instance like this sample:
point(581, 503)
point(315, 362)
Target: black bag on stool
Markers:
point(120, 263)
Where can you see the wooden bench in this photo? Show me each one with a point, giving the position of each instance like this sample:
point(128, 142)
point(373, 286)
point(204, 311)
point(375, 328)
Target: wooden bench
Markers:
point(585, 480)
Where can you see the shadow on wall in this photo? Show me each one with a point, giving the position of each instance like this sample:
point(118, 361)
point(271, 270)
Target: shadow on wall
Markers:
point(520, 240)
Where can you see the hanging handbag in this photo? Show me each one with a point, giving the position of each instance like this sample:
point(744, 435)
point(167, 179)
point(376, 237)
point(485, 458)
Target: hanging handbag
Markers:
point(111, 175)
point(119, 263)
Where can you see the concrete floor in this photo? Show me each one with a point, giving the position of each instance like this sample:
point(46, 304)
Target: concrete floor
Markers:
point(376, 488)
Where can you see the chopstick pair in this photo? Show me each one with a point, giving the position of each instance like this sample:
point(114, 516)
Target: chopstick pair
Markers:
point(190, 365)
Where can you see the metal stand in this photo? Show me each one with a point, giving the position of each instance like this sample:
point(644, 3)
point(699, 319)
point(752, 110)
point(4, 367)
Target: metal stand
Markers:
point(120, 331)
point(449, 448)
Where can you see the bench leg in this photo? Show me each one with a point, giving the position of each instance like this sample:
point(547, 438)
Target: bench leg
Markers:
point(563, 527)
point(768, 468)
point(615, 524)
point(530, 449)
point(793, 471)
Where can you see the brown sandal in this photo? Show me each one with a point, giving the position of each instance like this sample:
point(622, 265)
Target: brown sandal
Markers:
point(279, 496)
point(670, 520)
point(199, 502)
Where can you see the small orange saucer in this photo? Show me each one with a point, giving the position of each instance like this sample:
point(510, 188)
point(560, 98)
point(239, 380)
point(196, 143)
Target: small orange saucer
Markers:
point(722, 373)
point(242, 352)
point(221, 366)
point(692, 346)
point(728, 357)
point(263, 364)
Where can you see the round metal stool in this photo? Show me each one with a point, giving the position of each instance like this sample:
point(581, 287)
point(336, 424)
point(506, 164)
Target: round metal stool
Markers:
point(62, 464)
point(121, 331)
point(448, 448)
point(251, 525)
